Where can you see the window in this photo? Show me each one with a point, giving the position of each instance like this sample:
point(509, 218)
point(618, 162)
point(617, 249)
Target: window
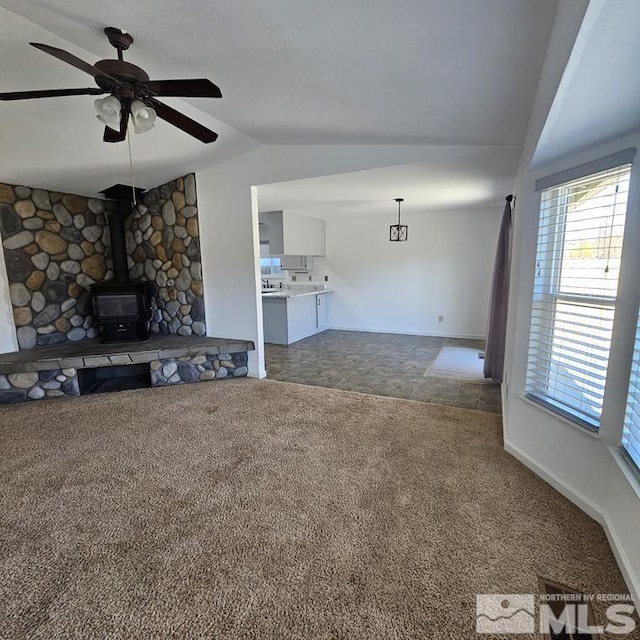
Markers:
point(270, 267)
point(578, 255)
point(631, 429)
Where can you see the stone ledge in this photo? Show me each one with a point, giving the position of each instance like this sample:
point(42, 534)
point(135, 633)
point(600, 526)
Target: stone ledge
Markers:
point(92, 353)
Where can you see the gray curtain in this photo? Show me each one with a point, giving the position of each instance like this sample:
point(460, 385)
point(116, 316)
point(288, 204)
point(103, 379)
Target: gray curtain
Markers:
point(497, 328)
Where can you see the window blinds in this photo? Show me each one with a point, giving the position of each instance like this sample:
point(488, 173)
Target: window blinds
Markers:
point(631, 429)
point(575, 285)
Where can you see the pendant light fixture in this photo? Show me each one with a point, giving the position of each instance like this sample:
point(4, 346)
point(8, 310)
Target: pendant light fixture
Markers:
point(398, 232)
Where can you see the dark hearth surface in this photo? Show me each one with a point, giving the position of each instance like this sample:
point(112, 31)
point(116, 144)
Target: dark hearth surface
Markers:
point(93, 353)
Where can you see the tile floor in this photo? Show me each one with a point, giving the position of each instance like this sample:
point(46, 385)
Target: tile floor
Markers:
point(379, 363)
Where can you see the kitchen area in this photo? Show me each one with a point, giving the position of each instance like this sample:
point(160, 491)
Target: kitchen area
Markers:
point(324, 322)
point(294, 306)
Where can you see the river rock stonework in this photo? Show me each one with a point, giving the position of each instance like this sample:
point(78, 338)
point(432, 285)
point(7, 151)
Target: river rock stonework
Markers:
point(187, 369)
point(163, 243)
point(55, 246)
point(20, 387)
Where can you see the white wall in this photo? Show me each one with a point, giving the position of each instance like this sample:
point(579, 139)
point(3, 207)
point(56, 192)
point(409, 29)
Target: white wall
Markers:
point(229, 221)
point(578, 464)
point(8, 339)
point(445, 268)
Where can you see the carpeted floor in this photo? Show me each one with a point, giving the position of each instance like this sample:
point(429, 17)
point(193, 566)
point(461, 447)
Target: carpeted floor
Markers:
point(266, 510)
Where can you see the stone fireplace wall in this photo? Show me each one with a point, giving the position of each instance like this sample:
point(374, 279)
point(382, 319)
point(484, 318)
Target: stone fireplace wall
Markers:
point(55, 246)
point(163, 243)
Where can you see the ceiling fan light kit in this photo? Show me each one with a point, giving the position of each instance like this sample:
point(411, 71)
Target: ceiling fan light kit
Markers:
point(132, 94)
point(108, 111)
point(143, 117)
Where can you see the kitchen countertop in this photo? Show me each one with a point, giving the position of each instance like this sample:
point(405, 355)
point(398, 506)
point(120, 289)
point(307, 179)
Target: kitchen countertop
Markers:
point(292, 293)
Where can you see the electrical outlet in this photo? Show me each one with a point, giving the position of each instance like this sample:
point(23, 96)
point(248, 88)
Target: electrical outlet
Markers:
point(326, 278)
point(440, 318)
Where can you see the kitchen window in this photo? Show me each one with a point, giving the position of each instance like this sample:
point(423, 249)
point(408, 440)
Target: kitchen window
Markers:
point(580, 237)
point(270, 267)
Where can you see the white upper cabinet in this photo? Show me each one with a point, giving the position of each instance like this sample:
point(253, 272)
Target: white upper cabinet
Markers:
point(296, 263)
point(291, 234)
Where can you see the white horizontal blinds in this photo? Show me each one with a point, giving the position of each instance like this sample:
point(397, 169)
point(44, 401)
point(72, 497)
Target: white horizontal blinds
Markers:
point(576, 280)
point(631, 429)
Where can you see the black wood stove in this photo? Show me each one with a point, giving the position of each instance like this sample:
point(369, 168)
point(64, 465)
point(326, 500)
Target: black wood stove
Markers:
point(121, 308)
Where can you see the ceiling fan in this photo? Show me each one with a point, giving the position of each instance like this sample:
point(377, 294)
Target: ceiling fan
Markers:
point(132, 94)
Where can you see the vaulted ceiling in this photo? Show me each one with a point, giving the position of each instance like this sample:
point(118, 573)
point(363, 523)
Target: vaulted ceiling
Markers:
point(598, 98)
point(460, 72)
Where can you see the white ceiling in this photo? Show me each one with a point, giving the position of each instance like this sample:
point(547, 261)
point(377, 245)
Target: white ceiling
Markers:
point(599, 95)
point(56, 143)
point(454, 72)
point(467, 178)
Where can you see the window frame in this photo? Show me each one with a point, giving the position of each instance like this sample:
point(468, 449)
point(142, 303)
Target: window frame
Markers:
point(612, 431)
point(633, 464)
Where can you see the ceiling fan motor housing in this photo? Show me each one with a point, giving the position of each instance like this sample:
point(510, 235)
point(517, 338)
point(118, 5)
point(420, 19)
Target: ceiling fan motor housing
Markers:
point(129, 75)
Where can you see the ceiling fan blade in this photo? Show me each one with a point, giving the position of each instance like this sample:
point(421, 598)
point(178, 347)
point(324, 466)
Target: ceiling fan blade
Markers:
point(74, 61)
point(183, 122)
point(51, 93)
point(197, 88)
point(111, 135)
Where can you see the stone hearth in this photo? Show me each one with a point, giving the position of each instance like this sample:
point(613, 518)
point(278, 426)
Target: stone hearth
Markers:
point(50, 372)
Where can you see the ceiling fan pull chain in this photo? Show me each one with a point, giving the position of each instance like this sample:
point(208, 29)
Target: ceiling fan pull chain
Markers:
point(133, 185)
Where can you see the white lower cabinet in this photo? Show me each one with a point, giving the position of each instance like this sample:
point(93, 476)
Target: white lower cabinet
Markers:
point(322, 311)
point(289, 319)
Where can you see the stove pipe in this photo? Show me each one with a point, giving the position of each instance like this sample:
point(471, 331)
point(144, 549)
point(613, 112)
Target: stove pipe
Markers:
point(123, 196)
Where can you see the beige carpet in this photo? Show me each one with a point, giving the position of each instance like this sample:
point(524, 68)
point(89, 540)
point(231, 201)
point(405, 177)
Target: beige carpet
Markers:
point(263, 510)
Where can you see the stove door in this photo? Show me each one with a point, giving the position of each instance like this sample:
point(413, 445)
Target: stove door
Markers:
point(116, 305)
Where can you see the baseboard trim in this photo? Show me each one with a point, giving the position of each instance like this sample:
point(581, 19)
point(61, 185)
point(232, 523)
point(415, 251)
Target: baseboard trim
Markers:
point(578, 498)
point(591, 509)
point(429, 334)
point(622, 559)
